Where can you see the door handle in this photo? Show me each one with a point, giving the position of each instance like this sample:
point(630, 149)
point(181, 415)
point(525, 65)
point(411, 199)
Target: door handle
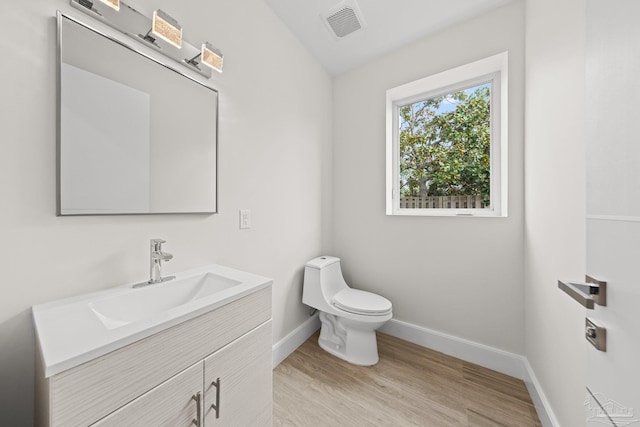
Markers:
point(592, 292)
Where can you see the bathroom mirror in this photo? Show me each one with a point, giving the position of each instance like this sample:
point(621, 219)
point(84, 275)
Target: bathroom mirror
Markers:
point(135, 136)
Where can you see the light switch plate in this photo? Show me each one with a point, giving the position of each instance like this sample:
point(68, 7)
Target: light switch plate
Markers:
point(245, 218)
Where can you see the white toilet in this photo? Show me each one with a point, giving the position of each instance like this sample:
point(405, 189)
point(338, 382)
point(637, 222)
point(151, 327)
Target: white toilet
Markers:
point(349, 317)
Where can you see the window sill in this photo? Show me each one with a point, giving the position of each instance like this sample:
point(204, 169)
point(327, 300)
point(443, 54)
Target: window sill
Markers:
point(471, 213)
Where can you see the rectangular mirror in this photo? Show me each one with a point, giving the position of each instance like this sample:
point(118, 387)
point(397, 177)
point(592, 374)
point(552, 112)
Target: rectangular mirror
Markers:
point(136, 136)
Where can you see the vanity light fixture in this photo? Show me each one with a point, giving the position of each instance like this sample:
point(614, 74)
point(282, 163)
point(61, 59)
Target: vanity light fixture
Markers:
point(118, 15)
point(166, 28)
point(115, 4)
point(88, 4)
point(209, 55)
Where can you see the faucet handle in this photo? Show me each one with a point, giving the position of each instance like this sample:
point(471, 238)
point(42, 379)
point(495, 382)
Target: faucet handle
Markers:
point(156, 244)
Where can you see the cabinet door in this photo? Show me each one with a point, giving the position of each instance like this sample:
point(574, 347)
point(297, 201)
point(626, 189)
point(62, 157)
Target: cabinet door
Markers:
point(174, 403)
point(238, 381)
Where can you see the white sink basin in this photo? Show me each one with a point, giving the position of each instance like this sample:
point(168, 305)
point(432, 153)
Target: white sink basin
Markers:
point(145, 302)
point(75, 330)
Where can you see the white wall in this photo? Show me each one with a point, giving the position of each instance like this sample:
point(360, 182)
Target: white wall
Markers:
point(459, 276)
point(555, 201)
point(275, 135)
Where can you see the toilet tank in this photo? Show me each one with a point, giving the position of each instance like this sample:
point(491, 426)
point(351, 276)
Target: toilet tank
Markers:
point(322, 280)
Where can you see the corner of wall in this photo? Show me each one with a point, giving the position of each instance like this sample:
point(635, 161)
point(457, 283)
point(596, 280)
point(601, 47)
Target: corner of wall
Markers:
point(555, 203)
point(287, 345)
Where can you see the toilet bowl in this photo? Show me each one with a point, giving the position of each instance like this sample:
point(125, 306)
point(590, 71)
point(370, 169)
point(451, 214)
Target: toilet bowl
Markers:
point(349, 317)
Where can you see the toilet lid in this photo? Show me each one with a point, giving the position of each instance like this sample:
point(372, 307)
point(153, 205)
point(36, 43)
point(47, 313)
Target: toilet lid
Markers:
point(361, 302)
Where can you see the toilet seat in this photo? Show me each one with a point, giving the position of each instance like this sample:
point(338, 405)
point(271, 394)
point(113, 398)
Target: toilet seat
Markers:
point(361, 302)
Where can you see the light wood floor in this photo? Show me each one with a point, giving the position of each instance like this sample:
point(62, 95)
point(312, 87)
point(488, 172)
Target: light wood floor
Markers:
point(410, 386)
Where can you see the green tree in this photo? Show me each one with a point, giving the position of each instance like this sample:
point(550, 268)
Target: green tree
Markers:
point(445, 149)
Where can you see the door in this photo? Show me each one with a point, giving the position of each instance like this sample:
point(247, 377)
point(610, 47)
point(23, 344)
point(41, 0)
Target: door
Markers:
point(613, 207)
point(237, 381)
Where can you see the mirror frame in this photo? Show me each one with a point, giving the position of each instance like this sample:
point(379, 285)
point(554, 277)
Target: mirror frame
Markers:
point(124, 42)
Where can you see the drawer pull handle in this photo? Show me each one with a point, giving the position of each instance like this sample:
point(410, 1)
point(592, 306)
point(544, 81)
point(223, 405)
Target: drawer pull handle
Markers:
point(197, 421)
point(216, 405)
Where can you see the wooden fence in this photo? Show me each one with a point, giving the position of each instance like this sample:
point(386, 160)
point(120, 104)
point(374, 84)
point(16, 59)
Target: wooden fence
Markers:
point(443, 202)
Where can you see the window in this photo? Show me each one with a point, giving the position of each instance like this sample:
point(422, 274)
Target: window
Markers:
point(447, 142)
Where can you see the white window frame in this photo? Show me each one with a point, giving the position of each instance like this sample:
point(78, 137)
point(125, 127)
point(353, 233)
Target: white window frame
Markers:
point(493, 69)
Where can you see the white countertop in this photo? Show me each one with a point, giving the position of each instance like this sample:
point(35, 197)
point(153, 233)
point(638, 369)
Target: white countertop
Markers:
point(70, 333)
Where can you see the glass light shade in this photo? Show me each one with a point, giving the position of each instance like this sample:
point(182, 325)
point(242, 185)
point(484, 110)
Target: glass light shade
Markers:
point(211, 57)
point(115, 4)
point(166, 28)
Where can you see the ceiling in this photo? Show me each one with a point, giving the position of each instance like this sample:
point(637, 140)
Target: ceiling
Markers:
point(389, 25)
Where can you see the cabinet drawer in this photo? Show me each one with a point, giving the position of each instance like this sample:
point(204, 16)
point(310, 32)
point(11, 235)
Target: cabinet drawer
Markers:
point(171, 404)
point(84, 394)
point(237, 382)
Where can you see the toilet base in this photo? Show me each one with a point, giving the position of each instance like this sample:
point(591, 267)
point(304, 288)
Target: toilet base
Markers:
point(350, 340)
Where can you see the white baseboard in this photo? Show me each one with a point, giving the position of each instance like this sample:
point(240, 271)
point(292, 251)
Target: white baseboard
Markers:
point(543, 408)
point(287, 345)
point(480, 354)
point(498, 360)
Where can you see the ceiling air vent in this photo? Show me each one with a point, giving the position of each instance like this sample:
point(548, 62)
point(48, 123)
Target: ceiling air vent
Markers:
point(343, 19)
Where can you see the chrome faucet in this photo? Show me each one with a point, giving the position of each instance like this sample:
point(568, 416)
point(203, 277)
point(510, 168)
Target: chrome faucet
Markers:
point(155, 267)
point(157, 256)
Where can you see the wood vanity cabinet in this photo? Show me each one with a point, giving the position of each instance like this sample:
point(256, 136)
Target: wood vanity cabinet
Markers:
point(212, 370)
